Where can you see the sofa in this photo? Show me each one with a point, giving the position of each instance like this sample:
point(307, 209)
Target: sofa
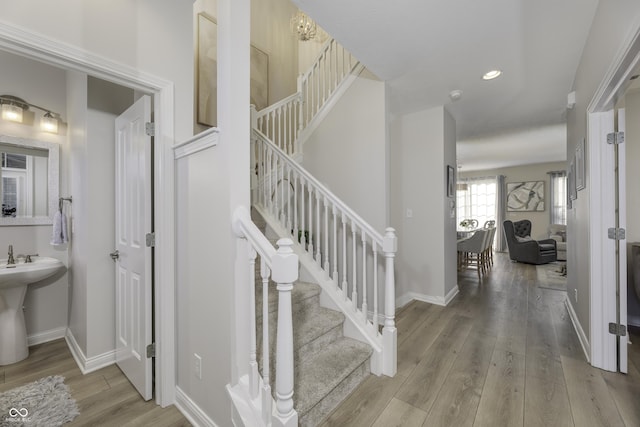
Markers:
point(558, 232)
point(522, 248)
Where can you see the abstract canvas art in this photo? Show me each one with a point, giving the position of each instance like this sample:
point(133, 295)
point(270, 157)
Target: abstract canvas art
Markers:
point(525, 196)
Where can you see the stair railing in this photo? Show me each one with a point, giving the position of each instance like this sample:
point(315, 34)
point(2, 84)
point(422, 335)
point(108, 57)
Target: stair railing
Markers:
point(283, 121)
point(342, 245)
point(332, 65)
point(281, 266)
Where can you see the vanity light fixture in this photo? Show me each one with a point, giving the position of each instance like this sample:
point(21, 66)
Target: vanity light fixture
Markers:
point(490, 75)
point(13, 109)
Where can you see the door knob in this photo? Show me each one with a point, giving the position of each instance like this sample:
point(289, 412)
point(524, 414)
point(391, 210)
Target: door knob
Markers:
point(115, 255)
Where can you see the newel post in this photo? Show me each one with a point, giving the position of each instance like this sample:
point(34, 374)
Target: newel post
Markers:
point(285, 272)
point(389, 332)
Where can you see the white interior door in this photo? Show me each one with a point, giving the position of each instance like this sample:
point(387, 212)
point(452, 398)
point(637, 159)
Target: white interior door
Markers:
point(622, 219)
point(133, 265)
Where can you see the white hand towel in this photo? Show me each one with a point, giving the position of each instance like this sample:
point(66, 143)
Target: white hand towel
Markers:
point(59, 234)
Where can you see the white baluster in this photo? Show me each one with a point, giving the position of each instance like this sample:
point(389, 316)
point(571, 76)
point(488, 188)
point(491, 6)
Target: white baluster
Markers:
point(287, 121)
point(354, 285)
point(345, 284)
point(266, 369)
point(374, 247)
point(280, 142)
point(335, 247)
point(295, 206)
point(254, 376)
point(303, 238)
point(310, 248)
point(364, 276)
point(289, 224)
point(318, 235)
point(389, 332)
point(327, 266)
point(335, 55)
point(285, 272)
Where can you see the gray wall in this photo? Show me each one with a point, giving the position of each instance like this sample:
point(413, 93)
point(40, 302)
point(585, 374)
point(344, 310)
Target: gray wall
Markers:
point(421, 145)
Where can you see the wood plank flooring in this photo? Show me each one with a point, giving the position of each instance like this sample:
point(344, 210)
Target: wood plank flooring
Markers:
point(105, 397)
point(503, 353)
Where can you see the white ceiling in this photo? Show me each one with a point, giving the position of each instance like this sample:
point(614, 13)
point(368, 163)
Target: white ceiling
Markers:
point(425, 49)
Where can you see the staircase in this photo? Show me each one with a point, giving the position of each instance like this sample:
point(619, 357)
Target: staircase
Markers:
point(330, 330)
point(327, 365)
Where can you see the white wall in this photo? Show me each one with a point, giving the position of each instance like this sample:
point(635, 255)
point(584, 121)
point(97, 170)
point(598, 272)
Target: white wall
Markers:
point(347, 152)
point(422, 145)
point(632, 147)
point(536, 172)
point(203, 283)
point(613, 21)
point(45, 303)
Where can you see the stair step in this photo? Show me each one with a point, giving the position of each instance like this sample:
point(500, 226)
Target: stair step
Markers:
point(326, 379)
point(303, 295)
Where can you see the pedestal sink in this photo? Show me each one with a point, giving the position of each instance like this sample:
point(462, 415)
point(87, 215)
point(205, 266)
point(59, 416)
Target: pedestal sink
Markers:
point(14, 280)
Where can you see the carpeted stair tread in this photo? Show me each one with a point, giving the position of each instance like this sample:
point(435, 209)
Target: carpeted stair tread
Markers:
point(301, 293)
point(317, 376)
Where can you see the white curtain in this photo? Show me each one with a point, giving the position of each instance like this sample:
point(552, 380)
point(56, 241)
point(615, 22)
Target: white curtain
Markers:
point(558, 199)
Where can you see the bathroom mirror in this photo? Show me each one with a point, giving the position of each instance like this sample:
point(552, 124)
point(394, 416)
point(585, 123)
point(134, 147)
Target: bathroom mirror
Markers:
point(29, 180)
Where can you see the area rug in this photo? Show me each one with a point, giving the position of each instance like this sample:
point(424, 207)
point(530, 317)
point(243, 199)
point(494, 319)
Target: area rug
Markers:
point(550, 276)
point(46, 402)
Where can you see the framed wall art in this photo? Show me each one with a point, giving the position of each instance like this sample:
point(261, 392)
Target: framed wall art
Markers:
point(451, 181)
point(259, 74)
point(207, 71)
point(581, 183)
point(525, 196)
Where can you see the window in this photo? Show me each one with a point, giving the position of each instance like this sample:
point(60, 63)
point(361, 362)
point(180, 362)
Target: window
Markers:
point(476, 199)
point(558, 203)
point(14, 173)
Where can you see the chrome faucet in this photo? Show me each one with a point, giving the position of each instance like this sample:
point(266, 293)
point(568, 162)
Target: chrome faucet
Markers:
point(11, 260)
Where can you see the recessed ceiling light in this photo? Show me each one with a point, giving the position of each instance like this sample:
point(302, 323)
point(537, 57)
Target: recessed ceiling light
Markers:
point(490, 75)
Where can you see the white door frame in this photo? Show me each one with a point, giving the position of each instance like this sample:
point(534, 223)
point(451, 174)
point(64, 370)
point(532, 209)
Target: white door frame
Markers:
point(31, 45)
point(600, 121)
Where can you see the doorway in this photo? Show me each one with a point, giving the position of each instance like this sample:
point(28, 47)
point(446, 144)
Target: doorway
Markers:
point(30, 45)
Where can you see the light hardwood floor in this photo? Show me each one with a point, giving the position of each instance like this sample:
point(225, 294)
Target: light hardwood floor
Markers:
point(105, 397)
point(503, 353)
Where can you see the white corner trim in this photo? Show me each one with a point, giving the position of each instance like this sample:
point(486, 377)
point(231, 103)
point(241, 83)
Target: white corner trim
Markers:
point(199, 142)
point(191, 410)
point(46, 336)
point(88, 365)
point(584, 342)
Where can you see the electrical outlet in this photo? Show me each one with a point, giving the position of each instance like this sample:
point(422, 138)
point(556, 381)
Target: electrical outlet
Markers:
point(197, 366)
point(575, 295)
point(409, 213)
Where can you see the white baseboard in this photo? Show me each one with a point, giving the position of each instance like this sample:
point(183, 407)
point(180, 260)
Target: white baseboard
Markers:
point(584, 342)
point(88, 364)
point(46, 336)
point(191, 410)
point(406, 298)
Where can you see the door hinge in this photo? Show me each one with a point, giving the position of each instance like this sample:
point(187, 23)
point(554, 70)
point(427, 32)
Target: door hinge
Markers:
point(615, 138)
point(151, 350)
point(150, 238)
point(616, 233)
point(619, 330)
point(150, 128)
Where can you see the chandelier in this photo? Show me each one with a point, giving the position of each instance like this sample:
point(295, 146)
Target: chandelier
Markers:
point(303, 26)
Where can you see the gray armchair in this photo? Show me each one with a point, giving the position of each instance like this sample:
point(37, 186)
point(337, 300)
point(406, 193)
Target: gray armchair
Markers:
point(524, 249)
